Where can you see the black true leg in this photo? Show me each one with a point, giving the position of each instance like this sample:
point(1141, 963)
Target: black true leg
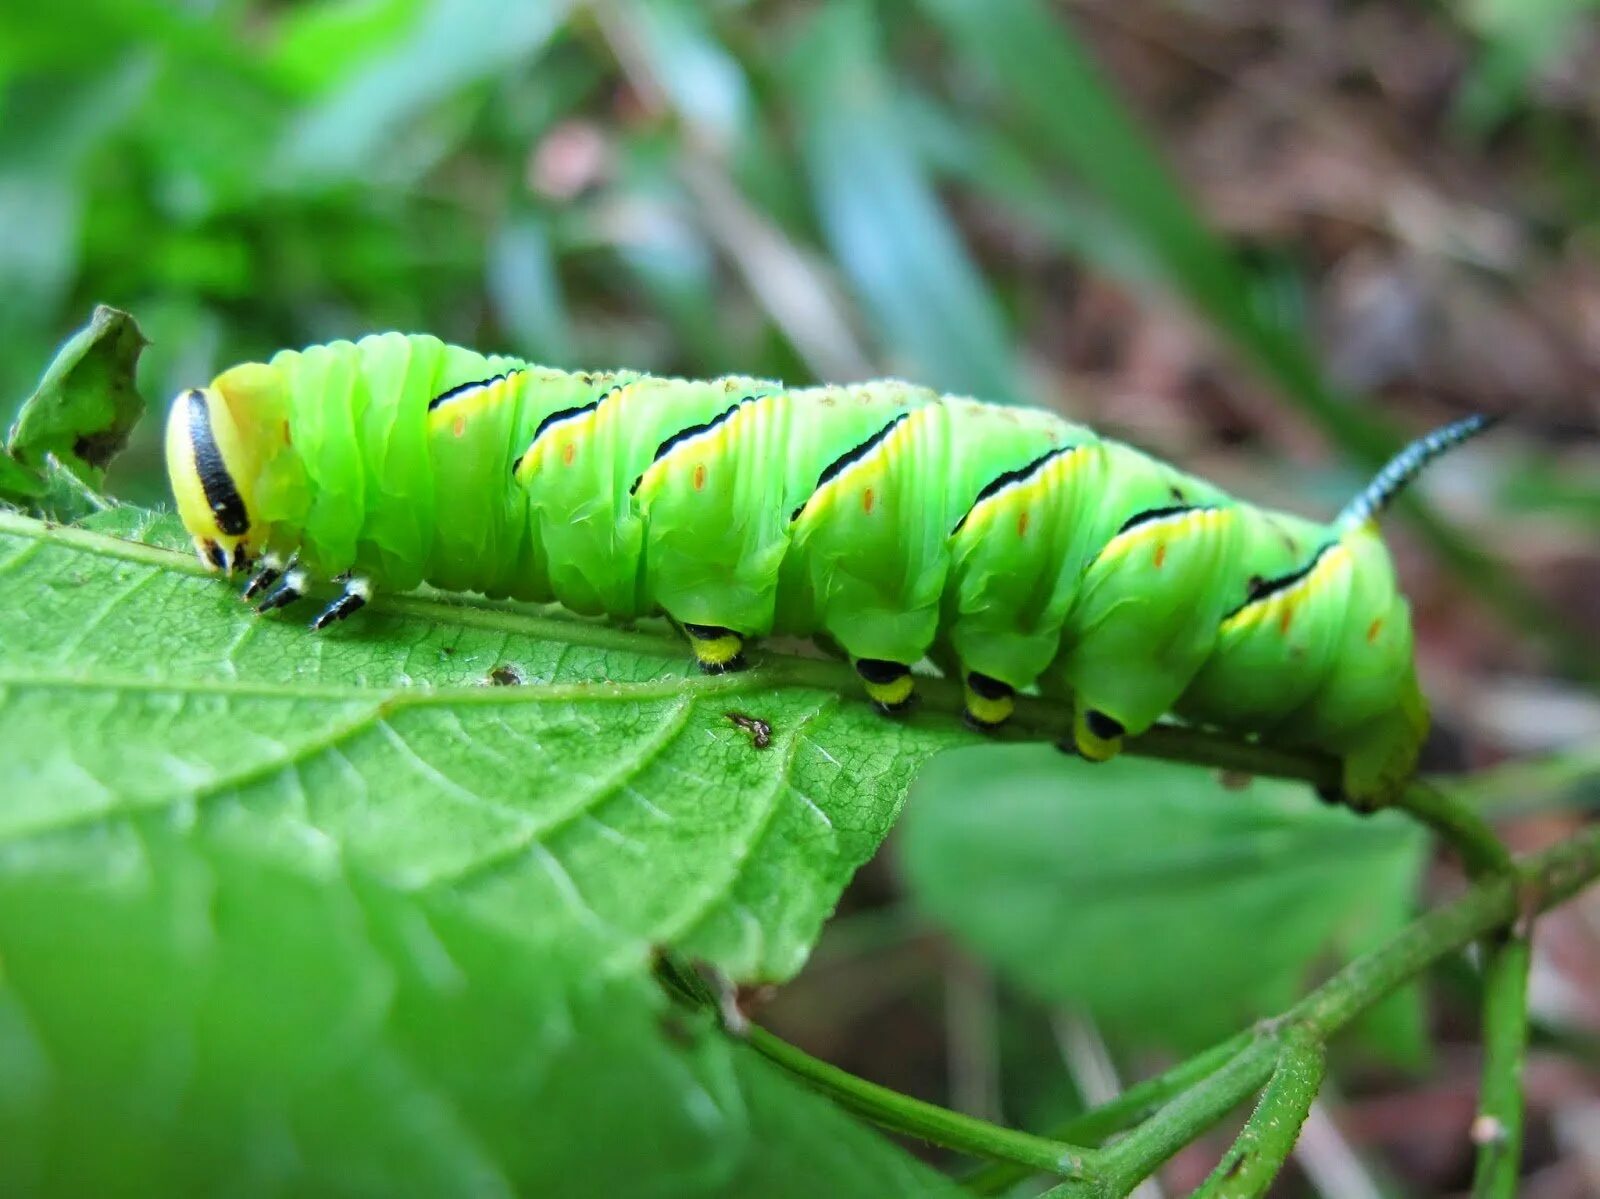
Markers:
point(356, 594)
point(271, 571)
point(285, 593)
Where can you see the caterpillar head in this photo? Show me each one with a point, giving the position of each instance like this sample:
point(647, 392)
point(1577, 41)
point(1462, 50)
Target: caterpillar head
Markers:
point(213, 468)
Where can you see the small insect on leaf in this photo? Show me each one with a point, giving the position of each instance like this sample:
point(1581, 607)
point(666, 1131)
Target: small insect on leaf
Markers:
point(505, 676)
point(760, 731)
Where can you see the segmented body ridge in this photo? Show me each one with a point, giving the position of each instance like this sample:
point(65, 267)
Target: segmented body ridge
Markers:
point(1011, 546)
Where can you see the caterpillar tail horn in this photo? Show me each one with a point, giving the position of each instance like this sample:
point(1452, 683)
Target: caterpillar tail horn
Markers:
point(1406, 465)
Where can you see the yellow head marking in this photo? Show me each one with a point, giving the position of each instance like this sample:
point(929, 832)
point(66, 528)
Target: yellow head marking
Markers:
point(212, 473)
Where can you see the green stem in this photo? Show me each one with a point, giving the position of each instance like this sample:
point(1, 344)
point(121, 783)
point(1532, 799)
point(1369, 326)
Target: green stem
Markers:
point(1538, 883)
point(1249, 1167)
point(1481, 852)
point(1498, 1128)
point(1134, 1104)
point(927, 1121)
point(1137, 1155)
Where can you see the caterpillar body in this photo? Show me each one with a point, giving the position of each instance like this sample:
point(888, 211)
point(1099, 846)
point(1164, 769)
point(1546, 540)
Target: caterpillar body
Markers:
point(1011, 547)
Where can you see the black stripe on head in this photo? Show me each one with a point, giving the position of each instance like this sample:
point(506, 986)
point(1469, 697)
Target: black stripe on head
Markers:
point(832, 470)
point(1002, 481)
point(461, 389)
point(227, 506)
point(683, 435)
point(1261, 589)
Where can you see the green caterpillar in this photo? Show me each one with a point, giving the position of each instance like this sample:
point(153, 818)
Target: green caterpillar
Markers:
point(1012, 547)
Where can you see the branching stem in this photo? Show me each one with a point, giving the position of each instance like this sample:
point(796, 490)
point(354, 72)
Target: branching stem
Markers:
point(1206, 1088)
point(1248, 1168)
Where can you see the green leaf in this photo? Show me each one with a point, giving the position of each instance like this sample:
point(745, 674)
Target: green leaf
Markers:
point(187, 1009)
point(1172, 911)
point(87, 402)
point(612, 787)
point(346, 916)
point(18, 484)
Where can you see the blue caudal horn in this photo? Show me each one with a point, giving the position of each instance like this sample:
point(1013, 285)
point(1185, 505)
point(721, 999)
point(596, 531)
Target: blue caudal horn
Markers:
point(1406, 465)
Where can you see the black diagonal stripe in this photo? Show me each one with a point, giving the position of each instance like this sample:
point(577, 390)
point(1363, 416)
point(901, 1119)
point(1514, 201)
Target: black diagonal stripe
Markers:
point(227, 505)
point(1149, 514)
point(683, 435)
point(833, 468)
point(461, 389)
point(565, 414)
point(1002, 481)
point(1269, 587)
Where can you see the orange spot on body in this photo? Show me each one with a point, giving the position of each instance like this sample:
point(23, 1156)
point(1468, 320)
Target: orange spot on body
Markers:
point(288, 437)
point(568, 453)
point(699, 476)
point(868, 499)
point(1374, 629)
point(1161, 555)
point(1023, 518)
point(1285, 618)
point(460, 426)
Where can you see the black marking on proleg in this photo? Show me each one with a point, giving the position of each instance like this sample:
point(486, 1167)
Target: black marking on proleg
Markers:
point(1330, 795)
point(1107, 728)
point(260, 581)
point(880, 670)
point(708, 632)
point(989, 688)
point(1149, 514)
point(683, 435)
point(1261, 589)
point(732, 666)
point(859, 452)
point(461, 389)
point(227, 506)
point(280, 596)
point(215, 556)
point(1406, 465)
point(760, 731)
point(1001, 481)
point(347, 603)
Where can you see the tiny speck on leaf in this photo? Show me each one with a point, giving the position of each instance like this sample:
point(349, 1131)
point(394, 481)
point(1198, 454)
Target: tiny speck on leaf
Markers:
point(760, 731)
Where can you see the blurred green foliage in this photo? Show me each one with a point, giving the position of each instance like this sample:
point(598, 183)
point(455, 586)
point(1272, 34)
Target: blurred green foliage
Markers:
point(661, 185)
